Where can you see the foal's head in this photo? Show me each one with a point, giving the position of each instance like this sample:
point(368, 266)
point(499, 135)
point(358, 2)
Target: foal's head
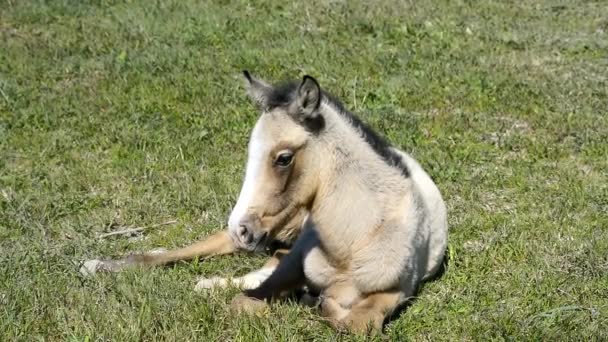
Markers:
point(282, 166)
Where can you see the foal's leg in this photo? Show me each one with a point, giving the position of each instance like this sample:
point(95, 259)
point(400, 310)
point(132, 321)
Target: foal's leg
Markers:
point(249, 281)
point(369, 313)
point(288, 274)
point(216, 244)
point(338, 299)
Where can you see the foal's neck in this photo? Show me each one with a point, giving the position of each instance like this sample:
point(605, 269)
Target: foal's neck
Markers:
point(356, 185)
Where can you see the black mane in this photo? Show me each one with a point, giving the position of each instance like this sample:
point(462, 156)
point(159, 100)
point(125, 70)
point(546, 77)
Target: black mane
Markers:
point(283, 94)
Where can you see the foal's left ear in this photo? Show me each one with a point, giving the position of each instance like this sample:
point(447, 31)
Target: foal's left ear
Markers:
point(309, 95)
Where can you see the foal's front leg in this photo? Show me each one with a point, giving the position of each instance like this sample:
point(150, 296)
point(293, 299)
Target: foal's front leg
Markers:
point(249, 281)
point(288, 274)
point(216, 244)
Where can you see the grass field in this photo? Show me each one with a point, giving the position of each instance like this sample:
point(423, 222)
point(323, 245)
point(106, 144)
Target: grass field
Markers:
point(133, 113)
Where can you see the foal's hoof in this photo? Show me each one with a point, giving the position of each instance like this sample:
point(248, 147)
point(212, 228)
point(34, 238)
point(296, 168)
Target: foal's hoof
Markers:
point(242, 304)
point(209, 283)
point(90, 267)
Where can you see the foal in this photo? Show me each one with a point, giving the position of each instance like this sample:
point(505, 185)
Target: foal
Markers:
point(370, 223)
point(374, 222)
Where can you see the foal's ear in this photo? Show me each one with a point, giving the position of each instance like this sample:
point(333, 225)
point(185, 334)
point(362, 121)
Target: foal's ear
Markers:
point(309, 95)
point(257, 89)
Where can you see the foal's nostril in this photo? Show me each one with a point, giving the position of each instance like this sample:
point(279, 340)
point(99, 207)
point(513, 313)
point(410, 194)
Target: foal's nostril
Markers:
point(244, 234)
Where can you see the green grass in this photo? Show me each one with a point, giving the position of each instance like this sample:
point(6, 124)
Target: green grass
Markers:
point(132, 113)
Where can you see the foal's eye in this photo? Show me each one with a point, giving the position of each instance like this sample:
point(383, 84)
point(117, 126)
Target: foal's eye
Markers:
point(284, 159)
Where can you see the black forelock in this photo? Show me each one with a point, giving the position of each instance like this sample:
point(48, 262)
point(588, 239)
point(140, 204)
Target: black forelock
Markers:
point(283, 94)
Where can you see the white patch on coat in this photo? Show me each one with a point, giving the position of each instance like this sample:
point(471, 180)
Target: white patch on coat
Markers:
point(256, 157)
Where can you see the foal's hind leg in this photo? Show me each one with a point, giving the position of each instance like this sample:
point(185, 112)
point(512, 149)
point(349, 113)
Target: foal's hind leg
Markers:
point(338, 299)
point(366, 315)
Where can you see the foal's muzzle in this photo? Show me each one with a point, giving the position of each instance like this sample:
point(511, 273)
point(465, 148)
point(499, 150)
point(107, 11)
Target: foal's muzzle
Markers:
point(250, 235)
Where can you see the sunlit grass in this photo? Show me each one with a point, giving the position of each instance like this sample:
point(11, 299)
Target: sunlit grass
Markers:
point(116, 114)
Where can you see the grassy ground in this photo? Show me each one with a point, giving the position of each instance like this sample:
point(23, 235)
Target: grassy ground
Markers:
point(132, 113)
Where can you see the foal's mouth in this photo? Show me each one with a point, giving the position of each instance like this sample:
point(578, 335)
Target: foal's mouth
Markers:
point(261, 242)
point(258, 244)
